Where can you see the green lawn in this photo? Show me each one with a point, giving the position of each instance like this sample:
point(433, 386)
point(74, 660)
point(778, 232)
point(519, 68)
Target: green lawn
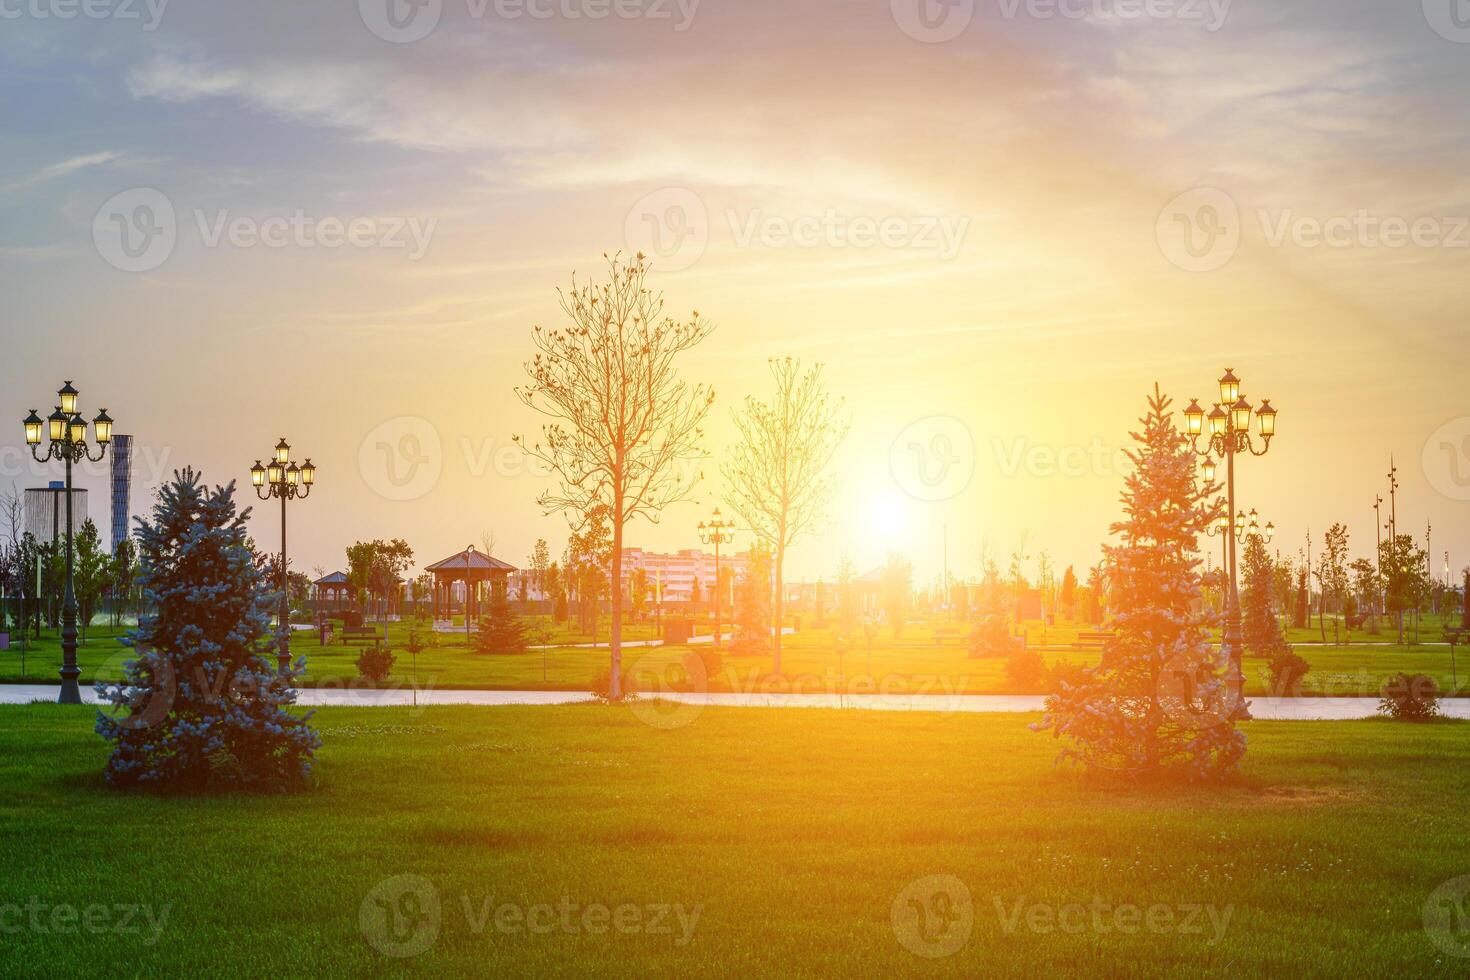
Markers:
point(922, 659)
point(792, 834)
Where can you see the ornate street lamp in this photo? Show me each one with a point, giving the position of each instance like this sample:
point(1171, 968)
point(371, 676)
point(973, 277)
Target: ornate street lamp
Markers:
point(717, 531)
point(283, 479)
point(68, 442)
point(1228, 435)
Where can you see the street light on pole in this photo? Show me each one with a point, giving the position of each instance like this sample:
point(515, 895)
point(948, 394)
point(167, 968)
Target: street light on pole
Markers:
point(1229, 434)
point(287, 481)
point(717, 531)
point(68, 442)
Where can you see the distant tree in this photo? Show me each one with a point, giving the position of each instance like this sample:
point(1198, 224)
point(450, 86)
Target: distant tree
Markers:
point(1260, 632)
point(200, 707)
point(501, 630)
point(90, 575)
point(1069, 593)
point(623, 425)
point(753, 605)
point(1365, 585)
point(638, 593)
point(588, 558)
point(778, 471)
point(122, 575)
point(375, 567)
point(1303, 606)
point(1334, 578)
point(1402, 562)
point(1465, 601)
point(540, 565)
point(1157, 703)
point(897, 589)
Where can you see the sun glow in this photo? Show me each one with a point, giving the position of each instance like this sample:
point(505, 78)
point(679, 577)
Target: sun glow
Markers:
point(887, 519)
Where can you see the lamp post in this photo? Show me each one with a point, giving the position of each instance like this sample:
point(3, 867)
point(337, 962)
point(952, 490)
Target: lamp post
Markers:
point(283, 479)
point(68, 442)
point(1229, 434)
point(717, 531)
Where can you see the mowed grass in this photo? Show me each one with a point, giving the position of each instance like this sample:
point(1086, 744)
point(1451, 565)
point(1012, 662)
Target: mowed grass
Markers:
point(791, 832)
point(924, 659)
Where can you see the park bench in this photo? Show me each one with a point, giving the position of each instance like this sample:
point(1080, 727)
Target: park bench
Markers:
point(943, 633)
point(1455, 635)
point(1093, 638)
point(352, 635)
point(1355, 622)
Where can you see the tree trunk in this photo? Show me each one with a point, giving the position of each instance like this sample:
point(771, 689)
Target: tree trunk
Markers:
point(777, 609)
point(615, 642)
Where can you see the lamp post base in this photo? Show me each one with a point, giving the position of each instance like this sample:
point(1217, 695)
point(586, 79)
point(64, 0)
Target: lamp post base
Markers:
point(71, 691)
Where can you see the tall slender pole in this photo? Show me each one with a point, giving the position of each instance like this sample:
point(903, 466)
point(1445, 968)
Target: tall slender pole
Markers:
point(283, 637)
point(71, 693)
point(1232, 638)
point(717, 590)
point(1378, 554)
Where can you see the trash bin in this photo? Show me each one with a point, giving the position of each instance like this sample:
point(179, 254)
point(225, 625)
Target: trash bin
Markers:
point(678, 631)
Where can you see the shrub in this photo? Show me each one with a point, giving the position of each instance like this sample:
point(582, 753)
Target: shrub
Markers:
point(352, 618)
point(992, 637)
point(602, 683)
point(703, 664)
point(1288, 670)
point(375, 663)
point(1410, 697)
point(1026, 670)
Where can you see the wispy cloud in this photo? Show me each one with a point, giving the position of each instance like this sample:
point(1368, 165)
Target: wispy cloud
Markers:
point(63, 169)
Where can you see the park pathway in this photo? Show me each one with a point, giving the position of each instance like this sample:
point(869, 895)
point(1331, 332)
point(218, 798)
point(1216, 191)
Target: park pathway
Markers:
point(1265, 709)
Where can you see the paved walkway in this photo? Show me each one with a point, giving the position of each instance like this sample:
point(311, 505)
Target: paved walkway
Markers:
point(1266, 709)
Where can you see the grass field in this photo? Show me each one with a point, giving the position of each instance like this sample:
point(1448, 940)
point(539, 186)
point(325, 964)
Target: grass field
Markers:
point(792, 841)
point(923, 659)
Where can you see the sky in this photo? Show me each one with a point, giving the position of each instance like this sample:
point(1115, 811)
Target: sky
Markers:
point(997, 224)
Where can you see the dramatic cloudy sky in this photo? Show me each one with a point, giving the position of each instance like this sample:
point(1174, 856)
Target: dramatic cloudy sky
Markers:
point(998, 223)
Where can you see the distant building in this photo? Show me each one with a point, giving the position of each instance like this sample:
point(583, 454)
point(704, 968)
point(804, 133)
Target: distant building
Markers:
point(675, 574)
point(122, 484)
point(45, 511)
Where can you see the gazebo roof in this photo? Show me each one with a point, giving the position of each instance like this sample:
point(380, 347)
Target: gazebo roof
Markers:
point(336, 578)
point(473, 561)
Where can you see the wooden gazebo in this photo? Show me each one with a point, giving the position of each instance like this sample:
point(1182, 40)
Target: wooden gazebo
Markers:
point(333, 592)
point(473, 570)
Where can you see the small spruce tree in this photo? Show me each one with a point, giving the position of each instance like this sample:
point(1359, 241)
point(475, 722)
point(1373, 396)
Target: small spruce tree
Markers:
point(1156, 705)
point(1259, 629)
point(202, 707)
point(501, 631)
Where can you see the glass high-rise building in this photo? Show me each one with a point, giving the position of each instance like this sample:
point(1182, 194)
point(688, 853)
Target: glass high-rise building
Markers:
point(122, 485)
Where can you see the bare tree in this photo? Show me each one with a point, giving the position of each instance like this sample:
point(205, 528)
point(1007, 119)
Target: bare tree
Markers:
point(777, 474)
point(487, 543)
point(622, 424)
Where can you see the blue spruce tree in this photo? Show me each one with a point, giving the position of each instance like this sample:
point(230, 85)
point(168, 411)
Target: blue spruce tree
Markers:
point(201, 706)
point(1157, 703)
